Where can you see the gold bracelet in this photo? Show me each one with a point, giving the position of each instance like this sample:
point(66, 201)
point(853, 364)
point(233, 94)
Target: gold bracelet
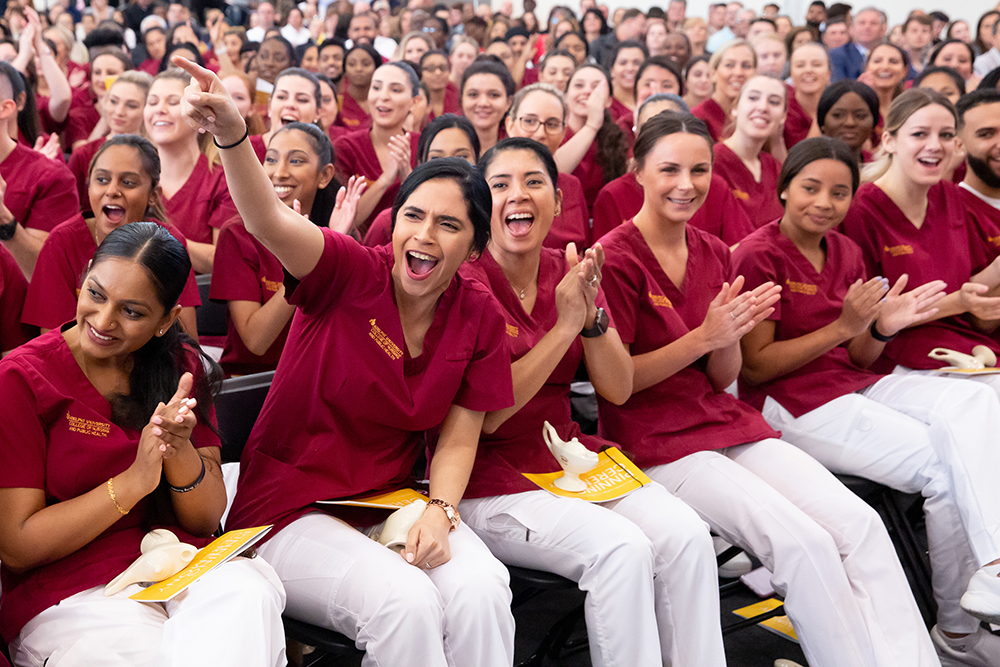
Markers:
point(111, 492)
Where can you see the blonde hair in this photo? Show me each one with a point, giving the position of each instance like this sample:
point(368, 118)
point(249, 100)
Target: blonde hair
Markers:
point(410, 36)
point(900, 111)
point(137, 78)
point(205, 144)
point(255, 124)
point(713, 62)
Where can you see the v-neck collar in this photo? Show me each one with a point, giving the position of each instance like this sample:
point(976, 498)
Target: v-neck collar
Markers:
point(649, 259)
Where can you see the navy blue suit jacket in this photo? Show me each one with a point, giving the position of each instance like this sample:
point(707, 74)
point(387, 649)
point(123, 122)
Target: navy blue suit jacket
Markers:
point(846, 62)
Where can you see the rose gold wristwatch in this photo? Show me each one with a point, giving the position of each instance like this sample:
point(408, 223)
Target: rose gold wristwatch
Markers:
point(449, 511)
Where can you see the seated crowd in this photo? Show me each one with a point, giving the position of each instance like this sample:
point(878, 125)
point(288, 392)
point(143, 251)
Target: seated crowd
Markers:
point(750, 236)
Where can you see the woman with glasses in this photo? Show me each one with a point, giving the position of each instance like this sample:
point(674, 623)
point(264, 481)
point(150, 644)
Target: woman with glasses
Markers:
point(443, 95)
point(539, 112)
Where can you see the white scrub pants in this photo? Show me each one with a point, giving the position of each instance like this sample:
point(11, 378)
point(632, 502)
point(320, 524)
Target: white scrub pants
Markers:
point(646, 562)
point(231, 617)
point(919, 434)
point(457, 614)
point(827, 550)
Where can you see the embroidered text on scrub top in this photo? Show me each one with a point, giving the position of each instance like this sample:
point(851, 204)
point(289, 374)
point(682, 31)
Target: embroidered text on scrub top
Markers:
point(88, 426)
point(270, 285)
point(512, 331)
point(898, 250)
point(384, 341)
point(660, 300)
point(801, 288)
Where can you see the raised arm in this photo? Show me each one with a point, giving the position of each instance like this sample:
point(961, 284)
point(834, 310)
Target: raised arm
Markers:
point(569, 155)
point(296, 242)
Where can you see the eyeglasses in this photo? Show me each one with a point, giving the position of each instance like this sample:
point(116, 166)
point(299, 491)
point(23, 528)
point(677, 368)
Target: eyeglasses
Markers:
point(430, 28)
point(435, 68)
point(531, 123)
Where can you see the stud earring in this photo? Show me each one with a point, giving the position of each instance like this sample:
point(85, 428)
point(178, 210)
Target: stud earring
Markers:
point(161, 332)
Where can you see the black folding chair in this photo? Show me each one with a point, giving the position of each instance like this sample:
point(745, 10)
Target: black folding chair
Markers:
point(212, 316)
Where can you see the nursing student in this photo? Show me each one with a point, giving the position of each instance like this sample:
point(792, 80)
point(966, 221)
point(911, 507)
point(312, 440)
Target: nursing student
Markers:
point(681, 321)
point(386, 343)
point(848, 110)
point(625, 62)
point(36, 193)
point(486, 92)
point(806, 368)
point(124, 187)
point(721, 215)
point(731, 66)
point(296, 98)
point(385, 154)
point(123, 108)
point(910, 220)
point(299, 164)
point(646, 561)
point(741, 160)
point(114, 436)
point(446, 136)
point(194, 192)
point(810, 73)
point(539, 112)
point(360, 64)
point(595, 149)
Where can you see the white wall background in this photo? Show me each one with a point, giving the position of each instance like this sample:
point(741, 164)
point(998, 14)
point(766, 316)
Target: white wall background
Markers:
point(970, 10)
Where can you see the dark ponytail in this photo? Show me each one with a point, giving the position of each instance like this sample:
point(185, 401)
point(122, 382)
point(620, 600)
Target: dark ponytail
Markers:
point(158, 365)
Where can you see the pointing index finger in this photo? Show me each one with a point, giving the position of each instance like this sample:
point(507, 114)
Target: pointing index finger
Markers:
point(200, 74)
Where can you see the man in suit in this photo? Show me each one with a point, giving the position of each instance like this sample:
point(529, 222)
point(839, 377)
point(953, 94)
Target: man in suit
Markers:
point(867, 31)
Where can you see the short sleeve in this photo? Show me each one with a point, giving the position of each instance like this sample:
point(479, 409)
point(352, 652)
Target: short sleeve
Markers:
point(22, 436)
point(55, 200)
point(736, 224)
point(487, 384)
point(235, 276)
point(621, 289)
point(13, 291)
point(51, 296)
point(345, 270)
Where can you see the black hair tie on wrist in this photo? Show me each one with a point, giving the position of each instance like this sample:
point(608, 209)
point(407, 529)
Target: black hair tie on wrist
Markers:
point(879, 336)
point(193, 485)
point(246, 134)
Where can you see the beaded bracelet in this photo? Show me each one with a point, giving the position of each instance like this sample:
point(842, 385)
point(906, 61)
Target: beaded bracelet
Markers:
point(111, 492)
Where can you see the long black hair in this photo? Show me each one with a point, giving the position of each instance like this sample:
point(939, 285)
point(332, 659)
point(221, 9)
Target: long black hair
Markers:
point(159, 364)
point(326, 198)
point(477, 195)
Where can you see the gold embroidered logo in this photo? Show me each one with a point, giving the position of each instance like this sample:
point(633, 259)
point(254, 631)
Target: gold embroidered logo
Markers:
point(898, 250)
point(801, 288)
point(739, 194)
point(270, 285)
point(512, 331)
point(660, 300)
point(88, 426)
point(384, 341)
point(993, 240)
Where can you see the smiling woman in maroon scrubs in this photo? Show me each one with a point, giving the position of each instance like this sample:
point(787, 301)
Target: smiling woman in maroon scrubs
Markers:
point(386, 343)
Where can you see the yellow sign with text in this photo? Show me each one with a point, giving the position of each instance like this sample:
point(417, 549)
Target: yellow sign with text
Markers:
point(224, 548)
point(613, 477)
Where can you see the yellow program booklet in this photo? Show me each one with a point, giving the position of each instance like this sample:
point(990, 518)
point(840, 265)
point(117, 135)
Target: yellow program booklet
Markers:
point(222, 549)
point(779, 625)
point(391, 501)
point(614, 476)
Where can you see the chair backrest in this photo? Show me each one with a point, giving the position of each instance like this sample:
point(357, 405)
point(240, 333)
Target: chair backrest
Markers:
point(212, 316)
point(236, 408)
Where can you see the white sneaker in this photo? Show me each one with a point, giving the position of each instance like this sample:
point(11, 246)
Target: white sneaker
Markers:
point(980, 649)
point(786, 663)
point(982, 597)
point(736, 566)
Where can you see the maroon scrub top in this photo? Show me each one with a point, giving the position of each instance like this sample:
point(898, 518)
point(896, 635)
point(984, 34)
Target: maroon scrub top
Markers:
point(797, 121)
point(202, 204)
point(984, 229)
point(346, 412)
point(939, 250)
point(810, 300)
point(79, 165)
point(759, 199)
point(517, 445)
point(41, 192)
point(351, 115)
point(13, 290)
point(59, 437)
point(682, 414)
point(589, 172)
point(715, 117)
point(246, 271)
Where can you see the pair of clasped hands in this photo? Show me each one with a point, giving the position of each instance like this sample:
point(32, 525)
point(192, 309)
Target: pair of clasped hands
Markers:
point(166, 436)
